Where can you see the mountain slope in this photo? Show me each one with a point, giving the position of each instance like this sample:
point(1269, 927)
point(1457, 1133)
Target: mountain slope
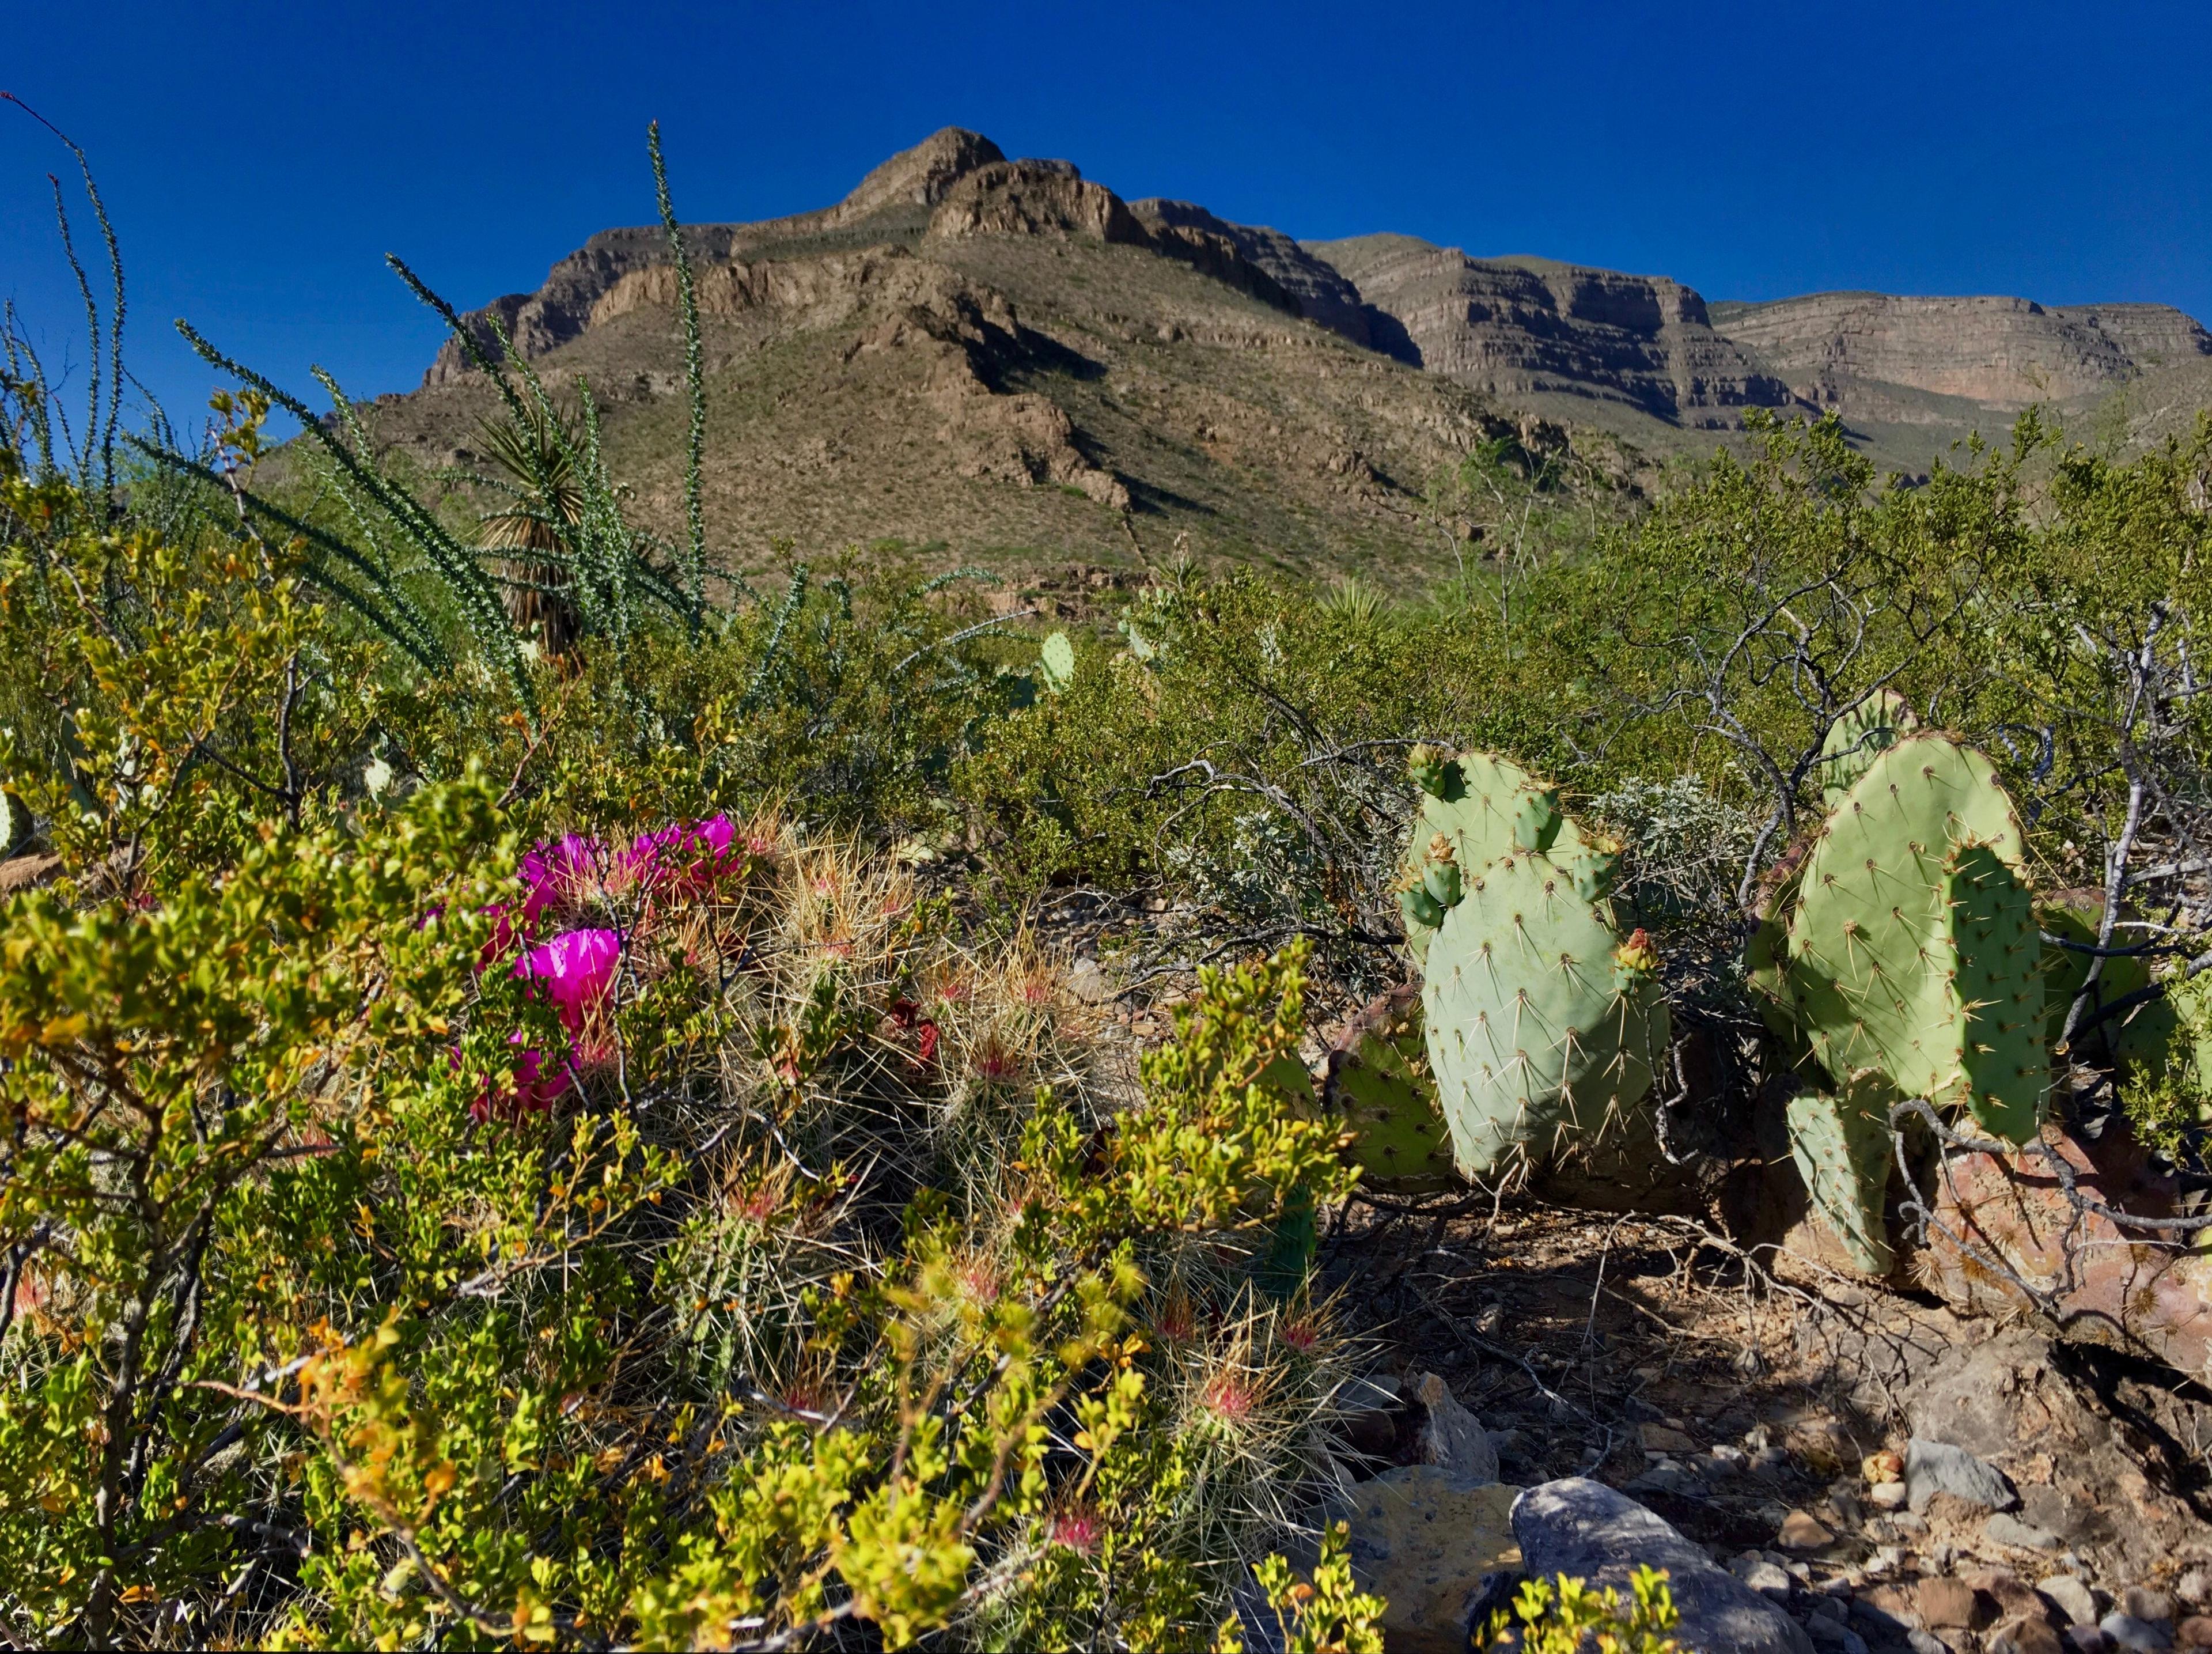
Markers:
point(1001, 360)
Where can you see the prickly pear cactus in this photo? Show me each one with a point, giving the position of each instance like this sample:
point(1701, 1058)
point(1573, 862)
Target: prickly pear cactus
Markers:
point(1543, 1025)
point(2134, 1039)
point(1912, 949)
point(1843, 1146)
point(1378, 1088)
point(1056, 663)
point(1536, 818)
point(1858, 739)
point(1474, 802)
point(1766, 955)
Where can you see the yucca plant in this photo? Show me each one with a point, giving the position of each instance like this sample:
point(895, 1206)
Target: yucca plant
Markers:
point(543, 505)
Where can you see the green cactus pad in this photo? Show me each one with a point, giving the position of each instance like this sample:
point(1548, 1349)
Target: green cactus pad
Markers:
point(1593, 872)
point(2139, 1039)
point(1536, 818)
point(1433, 770)
point(2000, 986)
point(1442, 881)
point(1533, 1046)
point(1843, 1150)
point(1056, 663)
point(1475, 812)
point(1766, 961)
point(1856, 739)
point(1887, 911)
point(1378, 1086)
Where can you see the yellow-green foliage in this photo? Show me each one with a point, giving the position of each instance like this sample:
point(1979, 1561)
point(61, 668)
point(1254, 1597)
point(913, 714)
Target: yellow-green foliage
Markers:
point(1327, 1615)
point(1569, 1616)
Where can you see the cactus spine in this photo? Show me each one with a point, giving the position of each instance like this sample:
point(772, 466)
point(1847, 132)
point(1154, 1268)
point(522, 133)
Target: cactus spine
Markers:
point(1543, 1024)
point(1911, 950)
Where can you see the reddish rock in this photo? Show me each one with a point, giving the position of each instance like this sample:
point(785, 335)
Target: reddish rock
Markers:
point(1946, 1602)
point(2126, 1290)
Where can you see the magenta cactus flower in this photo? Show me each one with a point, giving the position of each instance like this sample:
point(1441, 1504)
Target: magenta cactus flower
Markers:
point(533, 1086)
point(692, 858)
point(554, 874)
point(578, 970)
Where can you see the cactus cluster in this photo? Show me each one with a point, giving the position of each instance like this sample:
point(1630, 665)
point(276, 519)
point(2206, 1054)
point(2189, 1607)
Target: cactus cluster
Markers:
point(1898, 953)
point(1540, 1023)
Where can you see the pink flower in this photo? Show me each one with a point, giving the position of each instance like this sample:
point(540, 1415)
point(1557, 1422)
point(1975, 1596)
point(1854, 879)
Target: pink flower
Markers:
point(692, 858)
point(532, 1089)
point(578, 969)
point(554, 874)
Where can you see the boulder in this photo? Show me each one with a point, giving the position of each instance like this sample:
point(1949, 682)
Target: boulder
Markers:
point(1933, 1467)
point(1426, 1539)
point(2145, 1293)
point(1588, 1531)
point(1451, 1437)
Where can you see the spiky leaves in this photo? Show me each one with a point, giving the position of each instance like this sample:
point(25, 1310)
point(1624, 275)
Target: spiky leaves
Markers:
point(1912, 947)
point(1858, 739)
point(1842, 1145)
point(1379, 1091)
point(1542, 1025)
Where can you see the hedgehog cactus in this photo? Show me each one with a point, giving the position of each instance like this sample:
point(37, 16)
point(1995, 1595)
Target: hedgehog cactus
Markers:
point(1912, 949)
point(1378, 1087)
point(1842, 1145)
point(1543, 1026)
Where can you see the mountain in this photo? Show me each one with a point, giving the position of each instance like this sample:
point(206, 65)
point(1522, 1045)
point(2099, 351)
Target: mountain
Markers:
point(998, 360)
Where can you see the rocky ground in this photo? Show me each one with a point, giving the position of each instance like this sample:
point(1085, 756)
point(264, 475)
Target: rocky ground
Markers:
point(1888, 1474)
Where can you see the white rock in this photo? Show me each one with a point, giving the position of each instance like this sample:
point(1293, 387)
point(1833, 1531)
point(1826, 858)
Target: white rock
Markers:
point(2071, 1597)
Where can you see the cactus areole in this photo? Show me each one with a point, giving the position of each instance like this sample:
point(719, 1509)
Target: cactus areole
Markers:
point(1543, 1025)
point(1913, 948)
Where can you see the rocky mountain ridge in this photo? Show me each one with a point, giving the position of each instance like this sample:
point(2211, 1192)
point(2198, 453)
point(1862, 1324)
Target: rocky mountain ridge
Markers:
point(1512, 328)
point(1005, 359)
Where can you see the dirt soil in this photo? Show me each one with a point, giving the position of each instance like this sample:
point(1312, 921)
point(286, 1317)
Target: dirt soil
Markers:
point(1739, 1396)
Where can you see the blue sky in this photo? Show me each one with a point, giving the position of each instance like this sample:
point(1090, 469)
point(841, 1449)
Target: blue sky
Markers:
point(259, 160)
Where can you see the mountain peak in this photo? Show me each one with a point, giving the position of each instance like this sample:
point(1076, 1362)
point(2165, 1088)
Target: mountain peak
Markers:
point(918, 177)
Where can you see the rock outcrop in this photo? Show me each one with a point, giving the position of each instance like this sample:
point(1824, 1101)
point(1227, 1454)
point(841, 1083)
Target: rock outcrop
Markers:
point(1520, 327)
point(1880, 354)
point(1034, 198)
point(919, 177)
point(541, 322)
point(1315, 289)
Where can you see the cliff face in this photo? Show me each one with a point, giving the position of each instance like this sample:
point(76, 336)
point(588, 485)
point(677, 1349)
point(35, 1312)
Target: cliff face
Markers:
point(1865, 352)
point(1316, 288)
point(1642, 357)
point(1519, 326)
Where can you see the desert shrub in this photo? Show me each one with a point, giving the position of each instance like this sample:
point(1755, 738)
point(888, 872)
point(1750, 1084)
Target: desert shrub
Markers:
point(1567, 1615)
point(782, 1266)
